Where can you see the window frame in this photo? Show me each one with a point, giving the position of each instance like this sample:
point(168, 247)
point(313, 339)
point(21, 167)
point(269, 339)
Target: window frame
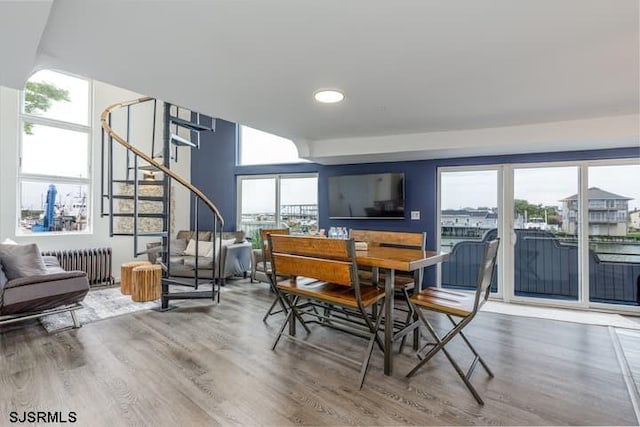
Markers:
point(37, 120)
point(277, 181)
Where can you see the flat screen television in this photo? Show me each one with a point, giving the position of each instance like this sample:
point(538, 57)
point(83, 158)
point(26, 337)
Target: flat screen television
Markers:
point(367, 196)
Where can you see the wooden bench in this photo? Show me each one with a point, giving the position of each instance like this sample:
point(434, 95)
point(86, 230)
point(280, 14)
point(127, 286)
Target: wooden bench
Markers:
point(325, 271)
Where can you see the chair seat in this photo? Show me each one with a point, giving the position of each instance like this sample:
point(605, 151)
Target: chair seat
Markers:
point(330, 292)
point(450, 302)
point(400, 282)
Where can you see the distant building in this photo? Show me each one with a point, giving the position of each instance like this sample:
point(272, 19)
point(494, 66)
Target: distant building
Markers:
point(634, 219)
point(608, 213)
point(467, 222)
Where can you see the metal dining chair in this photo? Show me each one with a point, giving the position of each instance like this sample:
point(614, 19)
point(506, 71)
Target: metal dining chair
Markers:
point(460, 305)
point(266, 268)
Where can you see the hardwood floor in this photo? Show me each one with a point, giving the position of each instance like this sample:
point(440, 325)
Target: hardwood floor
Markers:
point(205, 364)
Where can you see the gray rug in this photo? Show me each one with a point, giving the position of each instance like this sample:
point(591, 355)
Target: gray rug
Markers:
point(98, 305)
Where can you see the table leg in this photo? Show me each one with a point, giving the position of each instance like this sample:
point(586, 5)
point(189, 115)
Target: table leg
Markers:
point(388, 321)
point(417, 275)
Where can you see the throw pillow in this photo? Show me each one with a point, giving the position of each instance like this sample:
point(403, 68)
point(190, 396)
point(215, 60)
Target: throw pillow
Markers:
point(8, 241)
point(21, 260)
point(203, 248)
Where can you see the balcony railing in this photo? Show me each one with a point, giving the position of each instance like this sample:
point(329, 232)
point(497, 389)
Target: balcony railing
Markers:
point(545, 266)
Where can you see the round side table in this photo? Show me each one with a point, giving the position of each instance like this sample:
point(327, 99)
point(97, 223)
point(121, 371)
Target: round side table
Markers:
point(125, 275)
point(146, 283)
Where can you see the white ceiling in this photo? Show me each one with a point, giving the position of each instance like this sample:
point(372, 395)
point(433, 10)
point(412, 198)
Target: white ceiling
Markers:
point(406, 67)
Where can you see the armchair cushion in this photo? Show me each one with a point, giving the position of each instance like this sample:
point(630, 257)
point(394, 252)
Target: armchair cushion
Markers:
point(204, 247)
point(21, 260)
point(203, 262)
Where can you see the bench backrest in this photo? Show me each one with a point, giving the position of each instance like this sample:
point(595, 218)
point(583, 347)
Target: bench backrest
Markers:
point(400, 239)
point(327, 260)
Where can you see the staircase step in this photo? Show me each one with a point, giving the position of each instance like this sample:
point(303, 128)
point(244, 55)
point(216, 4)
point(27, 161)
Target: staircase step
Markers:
point(144, 234)
point(189, 124)
point(153, 234)
point(140, 215)
point(140, 181)
point(182, 142)
point(189, 295)
point(146, 168)
point(145, 198)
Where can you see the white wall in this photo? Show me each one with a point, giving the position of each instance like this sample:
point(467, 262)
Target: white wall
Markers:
point(103, 96)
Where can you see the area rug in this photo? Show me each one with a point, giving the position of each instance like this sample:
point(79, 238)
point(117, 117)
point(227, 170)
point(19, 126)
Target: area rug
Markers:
point(99, 304)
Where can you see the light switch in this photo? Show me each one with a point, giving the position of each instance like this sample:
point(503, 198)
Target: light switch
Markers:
point(415, 215)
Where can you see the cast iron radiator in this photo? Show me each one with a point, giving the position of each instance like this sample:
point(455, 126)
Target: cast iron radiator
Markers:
point(95, 262)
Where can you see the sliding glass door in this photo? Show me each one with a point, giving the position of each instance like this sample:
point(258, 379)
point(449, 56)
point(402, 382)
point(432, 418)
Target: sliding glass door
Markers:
point(614, 234)
point(469, 215)
point(571, 236)
point(546, 233)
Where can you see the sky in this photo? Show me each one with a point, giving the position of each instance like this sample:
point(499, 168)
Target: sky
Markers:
point(542, 185)
point(259, 195)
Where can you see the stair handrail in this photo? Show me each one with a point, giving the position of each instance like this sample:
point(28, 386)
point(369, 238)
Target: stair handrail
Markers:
point(109, 130)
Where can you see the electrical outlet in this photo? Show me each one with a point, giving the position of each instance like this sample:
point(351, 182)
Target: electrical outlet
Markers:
point(415, 215)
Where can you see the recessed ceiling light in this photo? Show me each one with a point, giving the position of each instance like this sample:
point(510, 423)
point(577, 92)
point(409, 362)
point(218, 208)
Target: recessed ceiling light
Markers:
point(328, 96)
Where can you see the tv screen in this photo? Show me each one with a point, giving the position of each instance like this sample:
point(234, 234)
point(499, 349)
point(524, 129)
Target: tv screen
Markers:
point(378, 195)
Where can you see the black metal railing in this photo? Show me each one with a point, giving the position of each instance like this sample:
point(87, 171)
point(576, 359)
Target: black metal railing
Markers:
point(545, 266)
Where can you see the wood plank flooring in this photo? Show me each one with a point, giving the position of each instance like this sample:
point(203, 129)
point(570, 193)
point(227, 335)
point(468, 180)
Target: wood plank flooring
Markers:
point(205, 364)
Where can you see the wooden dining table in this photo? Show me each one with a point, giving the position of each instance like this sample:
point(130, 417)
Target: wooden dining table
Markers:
point(391, 259)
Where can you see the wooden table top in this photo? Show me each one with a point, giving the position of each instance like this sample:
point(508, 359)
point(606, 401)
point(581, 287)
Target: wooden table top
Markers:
point(398, 258)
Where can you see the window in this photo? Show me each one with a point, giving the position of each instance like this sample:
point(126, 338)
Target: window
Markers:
point(567, 230)
point(261, 148)
point(274, 201)
point(55, 154)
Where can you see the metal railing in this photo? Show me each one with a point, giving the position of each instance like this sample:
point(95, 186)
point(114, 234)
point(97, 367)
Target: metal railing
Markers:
point(198, 198)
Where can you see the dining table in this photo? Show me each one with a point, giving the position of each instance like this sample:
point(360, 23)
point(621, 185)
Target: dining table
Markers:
point(392, 259)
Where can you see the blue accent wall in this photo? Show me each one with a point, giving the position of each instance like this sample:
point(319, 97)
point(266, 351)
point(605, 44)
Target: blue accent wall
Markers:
point(214, 171)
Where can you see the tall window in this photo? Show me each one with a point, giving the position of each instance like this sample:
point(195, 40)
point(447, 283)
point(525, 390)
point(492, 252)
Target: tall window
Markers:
point(55, 154)
point(261, 148)
point(274, 201)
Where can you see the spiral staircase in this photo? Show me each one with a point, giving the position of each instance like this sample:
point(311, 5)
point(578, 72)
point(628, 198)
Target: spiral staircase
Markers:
point(138, 198)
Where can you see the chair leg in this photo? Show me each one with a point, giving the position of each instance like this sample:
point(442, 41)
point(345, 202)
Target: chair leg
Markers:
point(464, 377)
point(473, 350)
point(407, 322)
point(374, 338)
point(74, 317)
point(284, 324)
point(270, 311)
point(439, 345)
point(278, 299)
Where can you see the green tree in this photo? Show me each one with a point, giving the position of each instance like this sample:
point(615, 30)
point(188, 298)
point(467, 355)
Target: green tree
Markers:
point(534, 211)
point(39, 96)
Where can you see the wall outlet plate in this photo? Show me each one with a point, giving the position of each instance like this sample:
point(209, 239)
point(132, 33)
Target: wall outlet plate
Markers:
point(415, 215)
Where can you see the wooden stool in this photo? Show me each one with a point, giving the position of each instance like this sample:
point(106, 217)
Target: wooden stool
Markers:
point(125, 275)
point(146, 283)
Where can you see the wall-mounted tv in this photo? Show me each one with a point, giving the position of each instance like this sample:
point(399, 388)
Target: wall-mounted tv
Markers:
point(367, 196)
